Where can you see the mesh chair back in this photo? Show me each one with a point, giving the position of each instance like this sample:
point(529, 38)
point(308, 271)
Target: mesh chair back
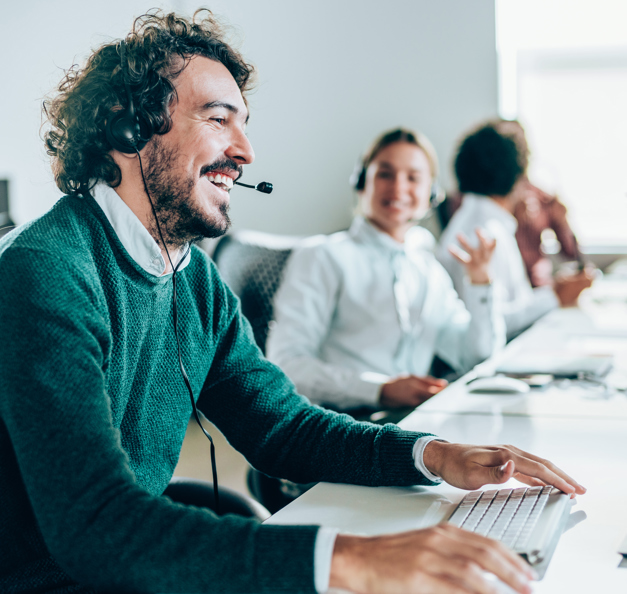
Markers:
point(252, 263)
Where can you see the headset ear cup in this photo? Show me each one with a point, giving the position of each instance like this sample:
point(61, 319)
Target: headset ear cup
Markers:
point(124, 133)
point(361, 180)
point(358, 178)
point(437, 194)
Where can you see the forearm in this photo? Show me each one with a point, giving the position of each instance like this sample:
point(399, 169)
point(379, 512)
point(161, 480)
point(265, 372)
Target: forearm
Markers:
point(305, 444)
point(522, 313)
point(486, 330)
point(474, 330)
point(324, 383)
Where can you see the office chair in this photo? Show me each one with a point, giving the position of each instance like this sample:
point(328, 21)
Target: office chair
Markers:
point(199, 493)
point(252, 263)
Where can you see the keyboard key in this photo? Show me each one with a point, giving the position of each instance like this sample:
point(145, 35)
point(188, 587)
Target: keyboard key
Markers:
point(492, 514)
point(507, 513)
point(522, 513)
point(534, 516)
point(464, 508)
point(478, 511)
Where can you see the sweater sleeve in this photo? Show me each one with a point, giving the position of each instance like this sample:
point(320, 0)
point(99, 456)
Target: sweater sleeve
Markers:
point(259, 411)
point(64, 456)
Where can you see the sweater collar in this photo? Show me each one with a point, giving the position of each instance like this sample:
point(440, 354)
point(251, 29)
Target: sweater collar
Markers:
point(135, 238)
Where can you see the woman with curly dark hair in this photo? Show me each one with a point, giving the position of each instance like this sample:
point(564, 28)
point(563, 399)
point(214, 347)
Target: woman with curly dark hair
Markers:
point(491, 168)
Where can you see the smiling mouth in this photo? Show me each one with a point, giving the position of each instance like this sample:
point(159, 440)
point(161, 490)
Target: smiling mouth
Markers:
point(396, 204)
point(221, 180)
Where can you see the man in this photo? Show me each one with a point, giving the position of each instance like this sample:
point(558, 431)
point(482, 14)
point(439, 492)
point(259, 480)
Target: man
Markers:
point(92, 401)
point(491, 169)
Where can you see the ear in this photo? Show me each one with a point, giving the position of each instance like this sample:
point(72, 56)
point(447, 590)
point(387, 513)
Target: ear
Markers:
point(118, 155)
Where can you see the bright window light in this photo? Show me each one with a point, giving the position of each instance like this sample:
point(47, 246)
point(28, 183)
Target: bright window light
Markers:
point(563, 74)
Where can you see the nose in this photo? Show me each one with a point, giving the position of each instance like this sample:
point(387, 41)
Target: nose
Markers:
point(240, 149)
point(400, 184)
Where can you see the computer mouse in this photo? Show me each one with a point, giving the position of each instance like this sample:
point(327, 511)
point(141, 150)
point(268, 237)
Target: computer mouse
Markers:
point(498, 384)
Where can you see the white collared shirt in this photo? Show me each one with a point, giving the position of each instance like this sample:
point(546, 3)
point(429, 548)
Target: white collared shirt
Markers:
point(521, 304)
point(131, 232)
point(357, 308)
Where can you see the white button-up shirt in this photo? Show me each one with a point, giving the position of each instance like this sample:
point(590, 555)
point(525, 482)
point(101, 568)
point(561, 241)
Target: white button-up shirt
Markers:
point(131, 232)
point(357, 308)
point(521, 304)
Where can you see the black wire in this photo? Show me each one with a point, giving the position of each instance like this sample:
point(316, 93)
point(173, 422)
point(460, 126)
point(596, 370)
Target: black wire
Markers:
point(214, 470)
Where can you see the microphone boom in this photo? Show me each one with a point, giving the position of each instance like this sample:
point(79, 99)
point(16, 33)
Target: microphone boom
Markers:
point(264, 187)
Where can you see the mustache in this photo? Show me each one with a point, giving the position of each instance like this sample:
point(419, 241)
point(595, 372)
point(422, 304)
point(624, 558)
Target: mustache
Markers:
point(222, 164)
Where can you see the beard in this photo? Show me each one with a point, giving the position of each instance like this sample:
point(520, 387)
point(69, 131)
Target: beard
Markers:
point(180, 217)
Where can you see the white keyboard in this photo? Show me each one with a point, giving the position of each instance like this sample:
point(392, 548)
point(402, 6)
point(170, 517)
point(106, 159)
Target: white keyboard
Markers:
point(528, 520)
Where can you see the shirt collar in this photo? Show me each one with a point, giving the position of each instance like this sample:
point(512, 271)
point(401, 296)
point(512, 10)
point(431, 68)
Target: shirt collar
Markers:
point(489, 209)
point(135, 238)
point(416, 238)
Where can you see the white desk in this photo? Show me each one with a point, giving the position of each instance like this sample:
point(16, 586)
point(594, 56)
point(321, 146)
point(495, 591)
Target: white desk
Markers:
point(567, 330)
point(591, 450)
point(584, 434)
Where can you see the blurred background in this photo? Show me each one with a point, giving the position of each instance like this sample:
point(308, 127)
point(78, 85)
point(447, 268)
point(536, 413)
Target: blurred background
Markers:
point(333, 74)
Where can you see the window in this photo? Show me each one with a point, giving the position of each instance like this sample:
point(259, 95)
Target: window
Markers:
point(563, 67)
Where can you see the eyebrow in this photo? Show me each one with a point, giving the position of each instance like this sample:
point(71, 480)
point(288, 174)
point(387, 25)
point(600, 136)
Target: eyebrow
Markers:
point(232, 108)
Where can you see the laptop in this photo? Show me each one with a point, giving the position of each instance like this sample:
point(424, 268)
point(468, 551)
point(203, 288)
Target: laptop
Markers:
point(566, 365)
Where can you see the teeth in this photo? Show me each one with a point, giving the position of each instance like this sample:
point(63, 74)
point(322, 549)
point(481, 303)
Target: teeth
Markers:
point(217, 178)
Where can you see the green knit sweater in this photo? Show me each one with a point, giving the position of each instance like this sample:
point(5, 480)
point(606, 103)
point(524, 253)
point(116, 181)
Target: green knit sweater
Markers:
point(93, 412)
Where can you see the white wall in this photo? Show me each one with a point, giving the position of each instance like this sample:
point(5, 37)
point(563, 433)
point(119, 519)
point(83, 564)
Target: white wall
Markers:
point(332, 75)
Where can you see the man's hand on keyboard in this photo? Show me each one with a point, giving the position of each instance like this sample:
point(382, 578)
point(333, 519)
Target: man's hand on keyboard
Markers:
point(442, 559)
point(471, 467)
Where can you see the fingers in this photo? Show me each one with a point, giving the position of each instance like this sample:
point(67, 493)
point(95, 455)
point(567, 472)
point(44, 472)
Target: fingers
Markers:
point(434, 382)
point(428, 386)
point(526, 465)
point(539, 468)
point(503, 473)
point(471, 467)
point(442, 559)
point(459, 254)
point(471, 555)
point(487, 244)
point(463, 241)
point(527, 480)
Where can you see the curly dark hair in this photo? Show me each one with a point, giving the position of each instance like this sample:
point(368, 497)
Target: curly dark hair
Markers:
point(157, 50)
point(489, 162)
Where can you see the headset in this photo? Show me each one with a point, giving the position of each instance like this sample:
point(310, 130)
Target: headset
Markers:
point(126, 131)
point(357, 180)
point(129, 133)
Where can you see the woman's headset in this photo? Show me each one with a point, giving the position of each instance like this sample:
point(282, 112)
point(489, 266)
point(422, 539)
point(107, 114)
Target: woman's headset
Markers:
point(357, 180)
